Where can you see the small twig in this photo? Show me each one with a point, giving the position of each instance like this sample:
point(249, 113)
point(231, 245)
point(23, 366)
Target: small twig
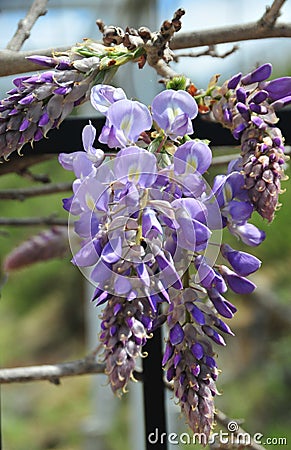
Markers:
point(210, 51)
point(24, 193)
point(20, 165)
point(271, 14)
point(37, 9)
point(53, 372)
point(26, 173)
point(224, 35)
point(32, 221)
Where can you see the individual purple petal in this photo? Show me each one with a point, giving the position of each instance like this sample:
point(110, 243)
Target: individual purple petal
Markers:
point(102, 97)
point(96, 156)
point(169, 350)
point(177, 359)
point(27, 100)
point(38, 135)
point(112, 251)
point(86, 256)
point(143, 274)
point(122, 285)
point(101, 273)
point(24, 125)
point(234, 81)
point(240, 211)
point(176, 334)
point(279, 104)
point(67, 159)
point(220, 303)
point(248, 233)
point(150, 224)
point(260, 97)
point(170, 373)
point(241, 95)
point(101, 295)
point(92, 194)
point(210, 361)
point(173, 111)
point(62, 90)
point(278, 88)
point(208, 277)
point(192, 234)
point(222, 326)
point(88, 224)
point(169, 274)
point(135, 165)
point(197, 350)
point(259, 122)
point(238, 284)
point(258, 109)
point(47, 61)
point(243, 110)
point(44, 119)
point(260, 74)
point(192, 156)
point(213, 335)
point(191, 208)
point(243, 263)
point(111, 136)
point(238, 130)
point(196, 313)
point(88, 136)
point(126, 120)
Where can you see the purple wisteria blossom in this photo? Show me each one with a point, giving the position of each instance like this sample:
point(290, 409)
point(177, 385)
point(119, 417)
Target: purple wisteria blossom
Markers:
point(173, 111)
point(103, 96)
point(146, 220)
point(125, 121)
point(83, 163)
point(247, 106)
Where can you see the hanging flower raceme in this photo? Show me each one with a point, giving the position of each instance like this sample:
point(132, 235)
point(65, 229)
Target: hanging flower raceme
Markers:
point(125, 329)
point(146, 220)
point(41, 102)
point(247, 105)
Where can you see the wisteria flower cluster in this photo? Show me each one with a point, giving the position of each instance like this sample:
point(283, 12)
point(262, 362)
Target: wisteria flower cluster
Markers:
point(247, 105)
point(146, 219)
point(40, 102)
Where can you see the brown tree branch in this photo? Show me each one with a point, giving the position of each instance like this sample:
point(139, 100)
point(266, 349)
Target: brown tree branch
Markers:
point(210, 51)
point(233, 33)
point(20, 165)
point(24, 193)
point(14, 62)
point(32, 221)
point(272, 13)
point(52, 372)
point(37, 9)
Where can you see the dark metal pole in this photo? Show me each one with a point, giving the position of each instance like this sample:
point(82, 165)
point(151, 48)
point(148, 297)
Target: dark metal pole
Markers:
point(154, 395)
